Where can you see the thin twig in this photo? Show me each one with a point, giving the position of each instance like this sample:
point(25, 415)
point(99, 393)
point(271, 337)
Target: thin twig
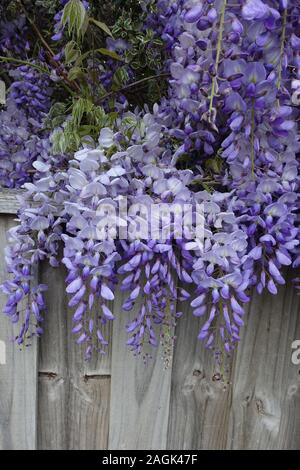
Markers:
point(252, 149)
point(134, 84)
point(35, 66)
point(219, 45)
point(282, 41)
point(50, 52)
point(36, 29)
point(24, 62)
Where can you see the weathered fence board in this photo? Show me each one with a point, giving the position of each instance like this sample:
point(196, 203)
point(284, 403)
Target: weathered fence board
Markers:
point(18, 377)
point(73, 394)
point(265, 412)
point(260, 406)
point(56, 400)
point(139, 395)
point(9, 203)
point(200, 401)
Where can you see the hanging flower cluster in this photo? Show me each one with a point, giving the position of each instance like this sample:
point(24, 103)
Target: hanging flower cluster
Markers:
point(214, 127)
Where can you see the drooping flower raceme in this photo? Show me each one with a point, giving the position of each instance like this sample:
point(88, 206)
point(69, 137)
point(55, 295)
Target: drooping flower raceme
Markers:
point(222, 138)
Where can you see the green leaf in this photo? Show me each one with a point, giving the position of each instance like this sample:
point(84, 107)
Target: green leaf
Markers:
point(2, 92)
point(56, 115)
point(214, 164)
point(113, 115)
point(102, 26)
point(75, 72)
point(109, 53)
point(85, 25)
point(71, 52)
point(101, 50)
point(74, 15)
point(120, 78)
point(129, 121)
point(81, 106)
point(58, 142)
point(84, 130)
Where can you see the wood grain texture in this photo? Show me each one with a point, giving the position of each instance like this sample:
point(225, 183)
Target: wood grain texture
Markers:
point(260, 407)
point(74, 395)
point(18, 377)
point(200, 400)
point(139, 395)
point(9, 203)
point(265, 412)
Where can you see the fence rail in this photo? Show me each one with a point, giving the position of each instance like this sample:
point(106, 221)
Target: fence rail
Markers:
point(50, 398)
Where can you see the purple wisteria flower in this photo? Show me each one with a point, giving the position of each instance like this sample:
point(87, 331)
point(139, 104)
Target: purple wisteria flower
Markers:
point(223, 137)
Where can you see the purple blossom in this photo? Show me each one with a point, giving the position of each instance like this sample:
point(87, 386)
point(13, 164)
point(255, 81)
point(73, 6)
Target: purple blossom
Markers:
point(223, 136)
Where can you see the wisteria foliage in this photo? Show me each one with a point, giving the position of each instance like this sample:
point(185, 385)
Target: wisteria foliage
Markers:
point(223, 132)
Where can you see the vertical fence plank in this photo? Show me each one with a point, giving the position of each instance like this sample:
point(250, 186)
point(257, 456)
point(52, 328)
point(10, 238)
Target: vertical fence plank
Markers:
point(266, 385)
point(73, 395)
point(200, 401)
point(260, 408)
point(18, 376)
point(140, 394)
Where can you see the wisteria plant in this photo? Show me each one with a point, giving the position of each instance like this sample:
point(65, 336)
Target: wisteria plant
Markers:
point(150, 102)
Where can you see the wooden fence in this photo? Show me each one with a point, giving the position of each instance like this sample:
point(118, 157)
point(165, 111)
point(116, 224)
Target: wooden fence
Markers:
point(50, 398)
